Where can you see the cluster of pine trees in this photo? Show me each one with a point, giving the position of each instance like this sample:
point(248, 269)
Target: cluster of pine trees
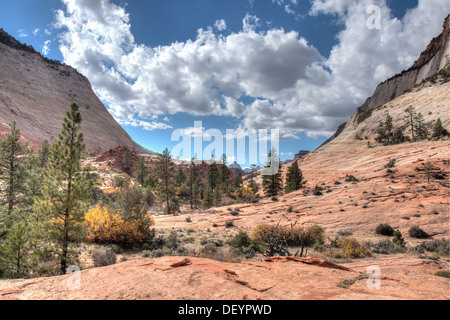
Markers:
point(387, 134)
point(174, 187)
point(273, 183)
point(44, 197)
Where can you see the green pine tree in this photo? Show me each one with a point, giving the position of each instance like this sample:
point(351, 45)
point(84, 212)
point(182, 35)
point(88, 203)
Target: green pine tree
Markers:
point(238, 182)
point(294, 178)
point(13, 174)
point(43, 154)
point(141, 171)
point(217, 198)
point(180, 177)
point(34, 180)
point(166, 188)
point(252, 183)
point(126, 162)
point(438, 129)
point(208, 197)
point(62, 207)
point(273, 184)
point(386, 131)
point(224, 177)
point(212, 177)
point(194, 189)
point(18, 254)
point(410, 120)
point(420, 127)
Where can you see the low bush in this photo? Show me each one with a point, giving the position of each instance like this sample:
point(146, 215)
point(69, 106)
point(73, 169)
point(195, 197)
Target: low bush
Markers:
point(443, 273)
point(384, 230)
point(440, 247)
point(280, 238)
point(385, 247)
point(248, 247)
point(229, 224)
point(398, 239)
point(418, 233)
point(345, 249)
point(105, 227)
point(103, 256)
point(390, 164)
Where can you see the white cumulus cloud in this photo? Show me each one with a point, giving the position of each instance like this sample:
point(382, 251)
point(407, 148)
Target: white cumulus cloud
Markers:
point(285, 83)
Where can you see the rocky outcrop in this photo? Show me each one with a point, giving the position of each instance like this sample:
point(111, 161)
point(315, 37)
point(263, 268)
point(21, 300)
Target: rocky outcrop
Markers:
point(36, 92)
point(434, 58)
point(301, 154)
point(177, 278)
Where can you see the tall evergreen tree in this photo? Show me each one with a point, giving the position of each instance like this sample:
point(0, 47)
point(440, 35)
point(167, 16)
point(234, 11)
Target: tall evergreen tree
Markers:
point(294, 178)
point(180, 177)
point(166, 188)
point(208, 197)
point(252, 183)
point(237, 181)
point(420, 127)
point(141, 171)
point(273, 184)
point(438, 130)
point(61, 209)
point(224, 178)
point(12, 171)
point(212, 176)
point(43, 154)
point(193, 184)
point(34, 180)
point(18, 254)
point(126, 162)
point(410, 120)
point(386, 131)
point(217, 198)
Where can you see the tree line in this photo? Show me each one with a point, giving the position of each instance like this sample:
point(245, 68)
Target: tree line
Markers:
point(414, 121)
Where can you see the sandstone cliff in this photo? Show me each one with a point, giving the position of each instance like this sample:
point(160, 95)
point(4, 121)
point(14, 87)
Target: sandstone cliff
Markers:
point(430, 61)
point(36, 92)
point(435, 58)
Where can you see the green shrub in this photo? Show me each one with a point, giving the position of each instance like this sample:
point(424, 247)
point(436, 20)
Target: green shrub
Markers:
point(416, 232)
point(384, 230)
point(443, 273)
point(441, 247)
point(385, 247)
point(146, 254)
point(229, 224)
point(398, 239)
point(390, 164)
point(103, 256)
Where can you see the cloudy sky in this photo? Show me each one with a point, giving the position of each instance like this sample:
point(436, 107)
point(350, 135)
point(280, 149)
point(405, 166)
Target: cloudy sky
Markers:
point(300, 66)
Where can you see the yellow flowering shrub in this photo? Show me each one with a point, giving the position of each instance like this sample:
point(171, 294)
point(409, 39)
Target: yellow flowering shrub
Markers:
point(105, 227)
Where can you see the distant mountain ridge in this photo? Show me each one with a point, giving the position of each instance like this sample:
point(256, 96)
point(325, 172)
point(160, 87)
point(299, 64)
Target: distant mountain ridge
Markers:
point(236, 169)
point(35, 92)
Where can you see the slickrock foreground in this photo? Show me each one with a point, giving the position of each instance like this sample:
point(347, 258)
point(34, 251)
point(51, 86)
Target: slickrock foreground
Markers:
point(279, 278)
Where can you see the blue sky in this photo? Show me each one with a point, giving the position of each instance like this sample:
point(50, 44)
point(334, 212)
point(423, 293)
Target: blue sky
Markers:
point(299, 66)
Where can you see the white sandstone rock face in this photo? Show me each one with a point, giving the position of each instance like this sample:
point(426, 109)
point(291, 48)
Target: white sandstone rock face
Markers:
point(36, 94)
